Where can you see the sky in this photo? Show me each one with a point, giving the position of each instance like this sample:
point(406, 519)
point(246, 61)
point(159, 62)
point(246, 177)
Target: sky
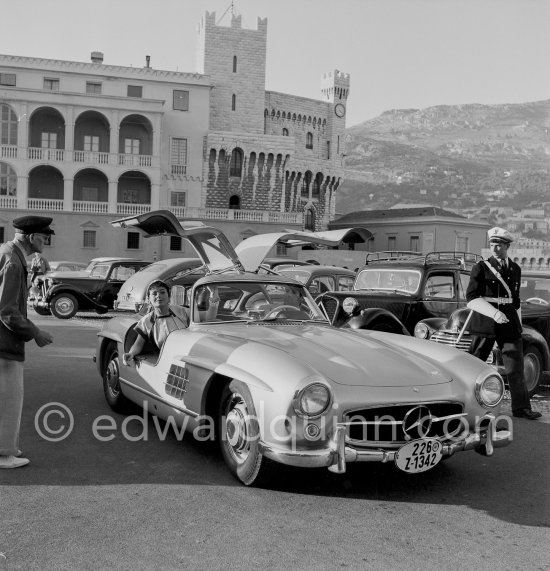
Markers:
point(400, 54)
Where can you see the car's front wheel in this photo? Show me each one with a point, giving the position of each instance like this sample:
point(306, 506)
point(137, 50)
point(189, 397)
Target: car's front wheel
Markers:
point(64, 305)
point(111, 380)
point(240, 436)
point(532, 368)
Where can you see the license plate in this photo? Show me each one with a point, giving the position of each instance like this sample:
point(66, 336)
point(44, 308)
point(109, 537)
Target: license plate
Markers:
point(418, 455)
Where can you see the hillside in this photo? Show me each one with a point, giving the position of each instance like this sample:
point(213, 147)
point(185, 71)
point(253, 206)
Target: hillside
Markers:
point(458, 156)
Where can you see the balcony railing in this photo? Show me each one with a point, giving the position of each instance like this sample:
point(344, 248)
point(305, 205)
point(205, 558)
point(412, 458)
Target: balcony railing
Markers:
point(91, 157)
point(39, 154)
point(44, 204)
point(8, 201)
point(237, 215)
point(135, 160)
point(8, 151)
point(131, 208)
point(90, 206)
point(86, 157)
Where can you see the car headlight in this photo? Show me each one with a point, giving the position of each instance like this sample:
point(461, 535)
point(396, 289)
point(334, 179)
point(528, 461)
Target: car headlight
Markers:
point(489, 389)
point(312, 401)
point(349, 304)
point(422, 331)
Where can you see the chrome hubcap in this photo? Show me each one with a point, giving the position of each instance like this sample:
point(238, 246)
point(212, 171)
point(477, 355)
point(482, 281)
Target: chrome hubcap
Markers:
point(64, 305)
point(112, 378)
point(237, 428)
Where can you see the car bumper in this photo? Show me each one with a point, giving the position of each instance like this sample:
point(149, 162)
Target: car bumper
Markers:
point(338, 453)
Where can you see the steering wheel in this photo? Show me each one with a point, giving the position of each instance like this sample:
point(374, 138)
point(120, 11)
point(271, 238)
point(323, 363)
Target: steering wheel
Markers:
point(538, 300)
point(276, 311)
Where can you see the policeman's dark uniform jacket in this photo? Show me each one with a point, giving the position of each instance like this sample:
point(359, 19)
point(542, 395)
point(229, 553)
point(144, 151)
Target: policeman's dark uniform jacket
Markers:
point(485, 282)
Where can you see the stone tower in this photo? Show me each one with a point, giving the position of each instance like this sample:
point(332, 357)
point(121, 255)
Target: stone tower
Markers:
point(234, 58)
point(335, 90)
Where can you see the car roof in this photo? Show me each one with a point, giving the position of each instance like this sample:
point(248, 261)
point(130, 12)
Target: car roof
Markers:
point(395, 258)
point(115, 259)
point(176, 262)
point(313, 270)
point(279, 261)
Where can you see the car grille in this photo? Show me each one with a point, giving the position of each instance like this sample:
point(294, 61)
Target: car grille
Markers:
point(331, 306)
point(451, 338)
point(384, 426)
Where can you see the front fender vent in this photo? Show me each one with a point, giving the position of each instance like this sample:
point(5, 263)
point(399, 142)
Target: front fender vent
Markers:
point(176, 382)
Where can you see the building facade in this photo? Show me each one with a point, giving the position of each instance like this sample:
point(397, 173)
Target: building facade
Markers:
point(89, 142)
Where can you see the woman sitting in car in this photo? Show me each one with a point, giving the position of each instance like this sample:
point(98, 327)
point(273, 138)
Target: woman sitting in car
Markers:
point(157, 324)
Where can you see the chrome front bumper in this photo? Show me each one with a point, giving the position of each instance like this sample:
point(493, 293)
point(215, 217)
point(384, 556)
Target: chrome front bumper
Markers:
point(338, 454)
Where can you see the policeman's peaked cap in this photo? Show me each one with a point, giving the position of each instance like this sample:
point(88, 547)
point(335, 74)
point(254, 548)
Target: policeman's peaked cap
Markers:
point(500, 235)
point(33, 225)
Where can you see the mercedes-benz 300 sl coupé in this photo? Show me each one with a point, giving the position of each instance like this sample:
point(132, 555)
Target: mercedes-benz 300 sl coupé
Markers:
point(261, 369)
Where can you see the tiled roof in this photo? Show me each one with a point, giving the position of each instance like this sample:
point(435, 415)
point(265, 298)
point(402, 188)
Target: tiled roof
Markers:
point(364, 215)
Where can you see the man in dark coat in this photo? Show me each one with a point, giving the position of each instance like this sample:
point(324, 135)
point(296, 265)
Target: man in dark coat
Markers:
point(493, 297)
point(16, 329)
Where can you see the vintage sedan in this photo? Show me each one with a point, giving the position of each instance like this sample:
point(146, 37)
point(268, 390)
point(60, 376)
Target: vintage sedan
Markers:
point(409, 285)
point(261, 369)
point(535, 315)
point(319, 279)
point(64, 294)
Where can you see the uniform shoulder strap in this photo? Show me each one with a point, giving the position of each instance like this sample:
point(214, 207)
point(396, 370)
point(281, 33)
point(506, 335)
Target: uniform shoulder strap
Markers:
point(499, 277)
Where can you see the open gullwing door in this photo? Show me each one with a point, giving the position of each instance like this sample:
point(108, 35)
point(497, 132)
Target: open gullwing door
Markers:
point(253, 250)
point(211, 244)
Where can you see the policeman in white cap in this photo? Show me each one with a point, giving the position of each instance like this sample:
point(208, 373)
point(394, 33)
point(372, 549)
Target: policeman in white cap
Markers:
point(31, 233)
point(493, 297)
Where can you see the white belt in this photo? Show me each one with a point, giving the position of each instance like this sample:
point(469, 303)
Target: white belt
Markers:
point(499, 300)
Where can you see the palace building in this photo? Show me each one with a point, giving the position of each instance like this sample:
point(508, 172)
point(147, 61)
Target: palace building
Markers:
point(89, 142)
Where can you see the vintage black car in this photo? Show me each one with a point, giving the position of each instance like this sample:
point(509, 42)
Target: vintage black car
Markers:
point(406, 285)
point(535, 316)
point(63, 294)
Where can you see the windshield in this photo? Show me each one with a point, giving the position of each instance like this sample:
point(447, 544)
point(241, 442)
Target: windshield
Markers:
point(536, 289)
point(100, 271)
point(253, 301)
point(388, 279)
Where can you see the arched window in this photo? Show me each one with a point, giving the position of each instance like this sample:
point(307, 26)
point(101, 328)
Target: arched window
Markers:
point(234, 64)
point(233, 102)
point(235, 202)
point(309, 141)
point(309, 219)
point(285, 132)
point(236, 166)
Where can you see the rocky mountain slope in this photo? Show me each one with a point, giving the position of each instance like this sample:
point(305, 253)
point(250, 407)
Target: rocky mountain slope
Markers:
point(454, 156)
